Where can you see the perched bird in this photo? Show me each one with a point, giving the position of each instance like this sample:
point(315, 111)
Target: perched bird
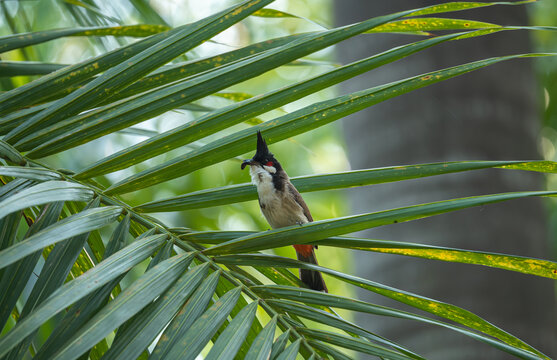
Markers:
point(282, 205)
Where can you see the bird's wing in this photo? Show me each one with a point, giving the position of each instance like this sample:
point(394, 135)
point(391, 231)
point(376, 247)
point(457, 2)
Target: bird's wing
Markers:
point(300, 201)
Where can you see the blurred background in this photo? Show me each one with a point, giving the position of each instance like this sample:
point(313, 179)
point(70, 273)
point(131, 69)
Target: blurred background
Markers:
point(506, 112)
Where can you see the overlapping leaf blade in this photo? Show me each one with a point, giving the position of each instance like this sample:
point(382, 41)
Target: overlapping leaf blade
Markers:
point(42, 88)
point(236, 113)
point(229, 342)
point(297, 122)
point(44, 193)
point(187, 315)
point(291, 352)
point(11, 154)
point(352, 343)
point(144, 107)
point(72, 291)
point(20, 40)
point(444, 310)
point(130, 301)
point(77, 224)
point(203, 329)
point(85, 308)
point(16, 276)
point(122, 74)
point(279, 345)
point(145, 327)
point(261, 347)
point(336, 354)
point(36, 174)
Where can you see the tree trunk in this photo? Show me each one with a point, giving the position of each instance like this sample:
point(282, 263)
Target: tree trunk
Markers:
point(489, 114)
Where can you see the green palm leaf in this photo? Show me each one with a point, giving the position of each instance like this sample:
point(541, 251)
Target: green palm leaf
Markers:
point(243, 192)
point(300, 234)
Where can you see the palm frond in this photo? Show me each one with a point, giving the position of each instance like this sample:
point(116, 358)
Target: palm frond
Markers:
point(196, 288)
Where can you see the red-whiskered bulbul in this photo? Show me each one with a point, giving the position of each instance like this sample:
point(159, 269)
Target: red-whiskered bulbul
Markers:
point(282, 205)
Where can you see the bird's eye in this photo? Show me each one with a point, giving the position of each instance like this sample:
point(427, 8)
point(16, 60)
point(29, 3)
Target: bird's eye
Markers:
point(269, 163)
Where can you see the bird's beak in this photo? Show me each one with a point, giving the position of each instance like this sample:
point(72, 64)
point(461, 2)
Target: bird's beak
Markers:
point(246, 162)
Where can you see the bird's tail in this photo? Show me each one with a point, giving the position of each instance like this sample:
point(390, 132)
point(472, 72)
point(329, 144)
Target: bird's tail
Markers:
point(312, 279)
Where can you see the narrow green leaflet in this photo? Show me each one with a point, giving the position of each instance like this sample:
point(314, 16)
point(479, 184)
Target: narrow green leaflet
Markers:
point(16, 276)
point(37, 174)
point(119, 237)
point(187, 315)
point(97, 14)
point(14, 119)
point(273, 13)
point(201, 332)
point(9, 153)
point(522, 264)
point(286, 126)
point(464, 5)
point(144, 328)
point(249, 107)
point(13, 187)
point(352, 343)
point(525, 265)
point(16, 41)
point(80, 223)
point(420, 26)
point(8, 230)
point(180, 71)
point(42, 88)
point(447, 311)
point(337, 355)
point(325, 228)
point(134, 298)
point(223, 287)
point(261, 347)
point(44, 193)
point(279, 345)
point(69, 293)
point(244, 192)
point(26, 68)
point(229, 342)
point(291, 352)
point(125, 73)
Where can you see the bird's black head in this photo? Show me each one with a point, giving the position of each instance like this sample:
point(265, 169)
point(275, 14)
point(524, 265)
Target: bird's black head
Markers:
point(263, 156)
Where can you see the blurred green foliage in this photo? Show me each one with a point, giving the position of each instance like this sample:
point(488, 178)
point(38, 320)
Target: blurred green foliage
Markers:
point(545, 12)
